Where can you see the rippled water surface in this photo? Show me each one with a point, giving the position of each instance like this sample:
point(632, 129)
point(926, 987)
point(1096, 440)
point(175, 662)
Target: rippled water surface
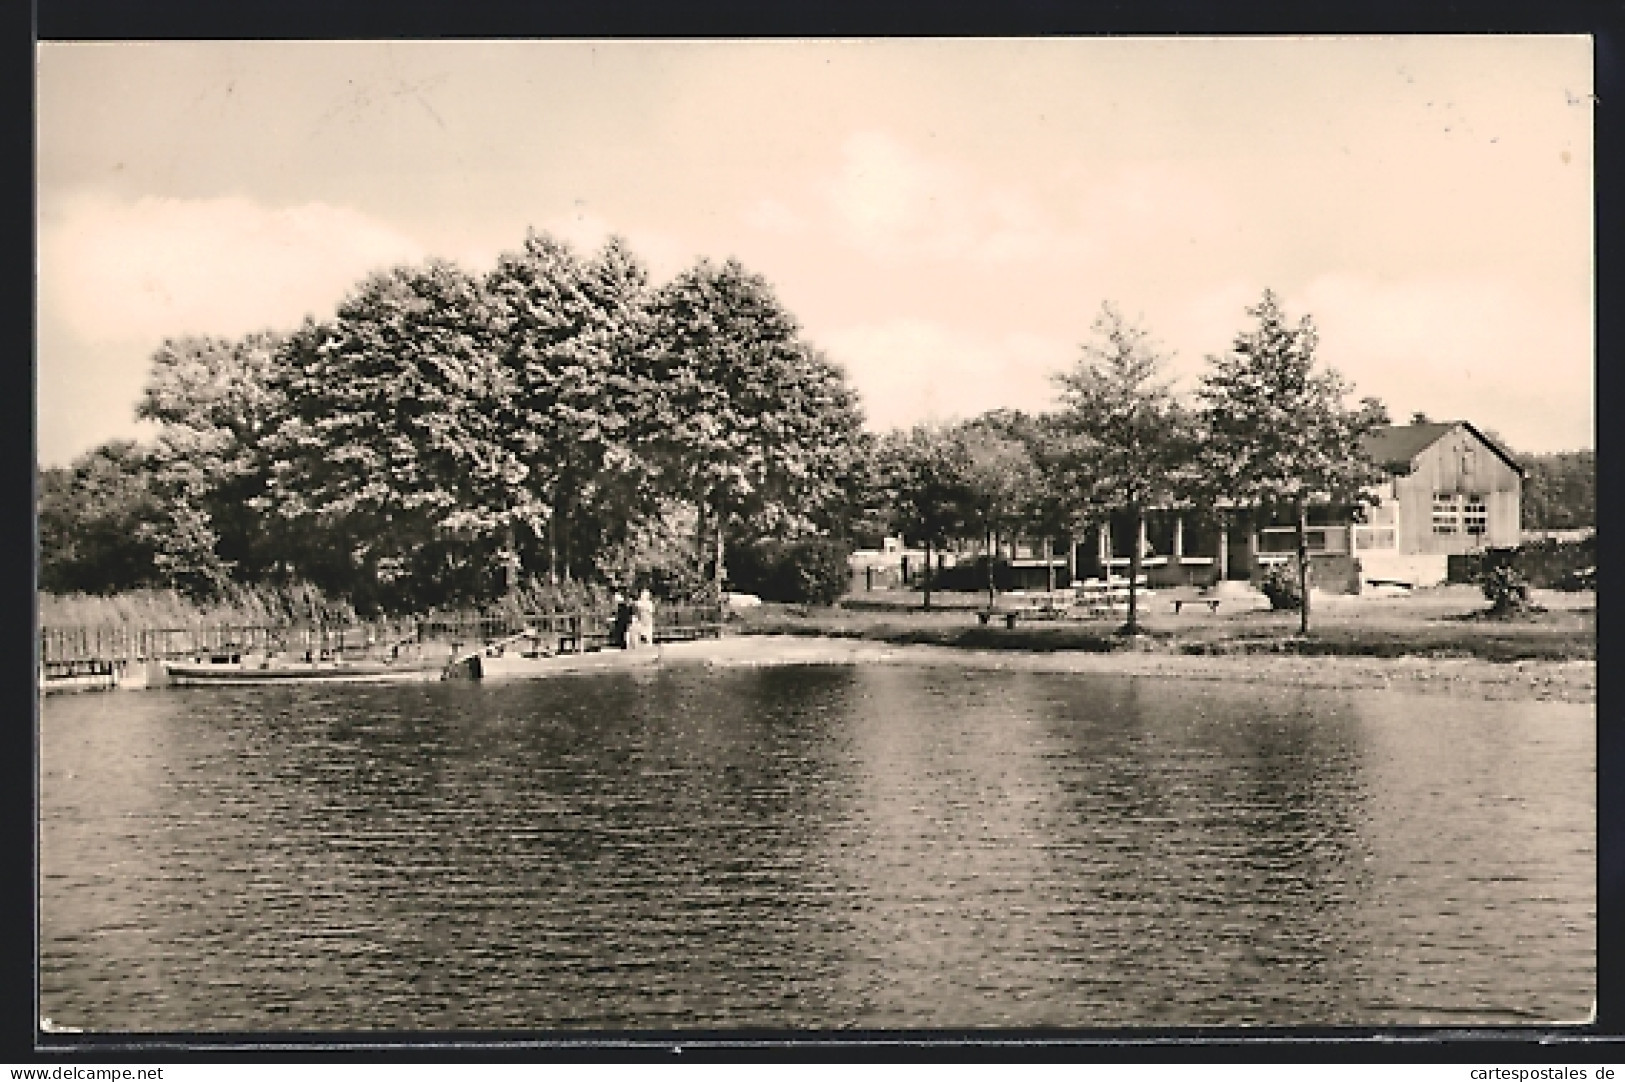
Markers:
point(812, 847)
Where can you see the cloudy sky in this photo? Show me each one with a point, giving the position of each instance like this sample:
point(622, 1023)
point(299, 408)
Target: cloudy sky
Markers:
point(944, 217)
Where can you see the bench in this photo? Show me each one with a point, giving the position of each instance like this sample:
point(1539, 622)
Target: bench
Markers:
point(1212, 603)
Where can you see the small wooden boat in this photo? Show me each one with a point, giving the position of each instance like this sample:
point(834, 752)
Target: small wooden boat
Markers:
point(223, 670)
point(521, 657)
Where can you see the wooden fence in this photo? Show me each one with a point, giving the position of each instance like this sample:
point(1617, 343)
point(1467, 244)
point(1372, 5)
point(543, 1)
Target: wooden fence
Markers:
point(67, 648)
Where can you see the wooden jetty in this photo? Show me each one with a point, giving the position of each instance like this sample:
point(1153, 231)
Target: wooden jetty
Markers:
point(121, 657)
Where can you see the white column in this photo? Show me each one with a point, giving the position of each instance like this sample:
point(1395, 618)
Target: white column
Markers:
point(1106, 549)
point(1179, 537)
point(1224, 549)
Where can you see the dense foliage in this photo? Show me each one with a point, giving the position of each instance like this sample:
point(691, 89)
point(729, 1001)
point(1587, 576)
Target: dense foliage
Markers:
point(1559, 490)
point(98, 522)
point(449, 438)
point(559, 428)
point(809, 570)
point(1549, 564)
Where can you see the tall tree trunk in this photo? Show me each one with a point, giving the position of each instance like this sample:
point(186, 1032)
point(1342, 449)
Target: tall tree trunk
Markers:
point(992, 553)
point(719, 571)
point(1135, 555)
point(701, 519)
point(927, 583)
point(1303, 567)
point(510, 563)
point(566, 549)
point(553, 543)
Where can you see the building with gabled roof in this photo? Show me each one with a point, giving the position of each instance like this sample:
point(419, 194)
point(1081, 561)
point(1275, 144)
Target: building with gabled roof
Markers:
point(1451, 491)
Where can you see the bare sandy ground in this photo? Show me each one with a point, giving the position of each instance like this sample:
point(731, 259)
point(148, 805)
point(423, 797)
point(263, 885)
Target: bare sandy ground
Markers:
point(1572, 681)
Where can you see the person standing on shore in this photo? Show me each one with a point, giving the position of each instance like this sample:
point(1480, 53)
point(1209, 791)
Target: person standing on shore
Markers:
point(621, 622)
point(643, 627)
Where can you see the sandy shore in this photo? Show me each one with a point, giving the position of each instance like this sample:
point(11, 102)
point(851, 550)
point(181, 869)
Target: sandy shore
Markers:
point(1569, 681)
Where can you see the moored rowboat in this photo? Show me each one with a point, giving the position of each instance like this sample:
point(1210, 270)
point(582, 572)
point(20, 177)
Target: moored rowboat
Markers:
point(261, 671)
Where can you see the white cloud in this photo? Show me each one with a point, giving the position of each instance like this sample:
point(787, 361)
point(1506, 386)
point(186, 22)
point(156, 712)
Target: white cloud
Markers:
point(113, 271)
point(912, 370)
point(888, 201)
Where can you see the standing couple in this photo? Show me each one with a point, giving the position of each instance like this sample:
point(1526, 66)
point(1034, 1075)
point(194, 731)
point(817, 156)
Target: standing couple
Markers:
point(634, 622)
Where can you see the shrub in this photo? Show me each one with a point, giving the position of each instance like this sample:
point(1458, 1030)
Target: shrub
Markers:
point(1505, 588)
point(809, 571)
point(1280, 585)
point(1547, 563)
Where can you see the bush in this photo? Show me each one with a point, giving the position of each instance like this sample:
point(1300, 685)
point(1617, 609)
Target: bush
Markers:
point(1506, 589)
point(1280, 585)
point(809, 571)
point(1547, 563)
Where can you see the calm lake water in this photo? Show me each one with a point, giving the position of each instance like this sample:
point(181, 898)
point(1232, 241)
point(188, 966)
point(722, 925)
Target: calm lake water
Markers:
point(812, 848)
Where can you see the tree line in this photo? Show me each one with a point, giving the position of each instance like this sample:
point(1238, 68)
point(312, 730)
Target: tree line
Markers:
point(1559, 490)
point(447, 438)
point(1267, 429)
point(450, 438)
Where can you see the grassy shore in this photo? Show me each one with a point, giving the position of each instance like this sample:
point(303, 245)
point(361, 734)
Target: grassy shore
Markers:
point(1445, 622)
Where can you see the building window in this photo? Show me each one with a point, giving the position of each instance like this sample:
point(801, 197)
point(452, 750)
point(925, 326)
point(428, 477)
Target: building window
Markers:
point(1475, 516)
point(1446, 513)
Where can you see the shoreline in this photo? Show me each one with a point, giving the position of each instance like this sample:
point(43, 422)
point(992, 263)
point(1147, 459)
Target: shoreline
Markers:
point(1548, 681)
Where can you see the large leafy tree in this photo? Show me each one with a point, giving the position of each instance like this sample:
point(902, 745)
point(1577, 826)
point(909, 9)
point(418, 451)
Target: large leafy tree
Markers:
point(395, 445)
point(97, 521)
point(1277, 430)
point(215, 403)
point(749, 421)
point(570, 332)
point(1129, 438)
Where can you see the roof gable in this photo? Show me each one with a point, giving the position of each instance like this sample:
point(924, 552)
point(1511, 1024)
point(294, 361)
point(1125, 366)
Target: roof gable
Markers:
point(1396, 446)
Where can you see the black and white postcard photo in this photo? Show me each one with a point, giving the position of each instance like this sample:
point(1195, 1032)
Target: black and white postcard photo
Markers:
point(815, 537)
